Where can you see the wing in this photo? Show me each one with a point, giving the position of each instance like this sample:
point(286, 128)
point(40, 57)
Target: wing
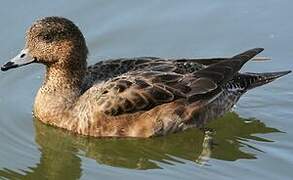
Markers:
point(141, 90)
point(105, 70)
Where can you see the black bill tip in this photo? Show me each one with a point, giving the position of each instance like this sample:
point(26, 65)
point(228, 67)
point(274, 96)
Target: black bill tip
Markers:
point(8, 65)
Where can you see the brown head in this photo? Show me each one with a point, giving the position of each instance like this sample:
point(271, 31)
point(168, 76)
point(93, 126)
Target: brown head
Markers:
point(53, 41)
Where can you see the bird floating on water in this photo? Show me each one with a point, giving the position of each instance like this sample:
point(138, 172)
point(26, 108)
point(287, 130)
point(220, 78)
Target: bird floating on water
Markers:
point(129, 97)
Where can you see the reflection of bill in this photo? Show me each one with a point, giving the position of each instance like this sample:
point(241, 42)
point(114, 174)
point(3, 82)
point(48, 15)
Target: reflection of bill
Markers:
point(61, 150)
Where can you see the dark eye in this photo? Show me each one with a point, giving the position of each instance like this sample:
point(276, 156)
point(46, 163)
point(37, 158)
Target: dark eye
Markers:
point(48, 37)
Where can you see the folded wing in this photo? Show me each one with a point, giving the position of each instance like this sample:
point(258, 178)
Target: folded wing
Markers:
point(141, 90)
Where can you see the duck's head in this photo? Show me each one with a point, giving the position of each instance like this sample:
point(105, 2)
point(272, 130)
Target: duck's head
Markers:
point(51, 41)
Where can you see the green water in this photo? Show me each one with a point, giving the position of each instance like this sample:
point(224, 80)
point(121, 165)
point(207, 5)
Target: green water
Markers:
point(60, 150)
point(252, 142)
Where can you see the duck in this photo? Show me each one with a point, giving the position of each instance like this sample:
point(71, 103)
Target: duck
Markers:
point(129, 97)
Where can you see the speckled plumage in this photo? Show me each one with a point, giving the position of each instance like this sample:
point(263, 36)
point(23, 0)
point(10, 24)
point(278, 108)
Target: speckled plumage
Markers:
point(131, 97)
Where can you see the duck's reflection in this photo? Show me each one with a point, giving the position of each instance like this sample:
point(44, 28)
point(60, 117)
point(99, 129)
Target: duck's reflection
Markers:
point(60, 150)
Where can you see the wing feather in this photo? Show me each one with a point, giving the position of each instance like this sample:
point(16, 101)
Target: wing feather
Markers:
point(140, 90)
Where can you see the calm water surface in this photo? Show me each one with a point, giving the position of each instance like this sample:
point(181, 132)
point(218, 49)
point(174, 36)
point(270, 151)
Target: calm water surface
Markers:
point(252, 142)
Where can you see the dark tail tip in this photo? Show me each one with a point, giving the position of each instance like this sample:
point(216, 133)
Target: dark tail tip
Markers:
point(240, 59)
point(273, 75)
point(257, 79)
point(247, 55)
point(276, 75)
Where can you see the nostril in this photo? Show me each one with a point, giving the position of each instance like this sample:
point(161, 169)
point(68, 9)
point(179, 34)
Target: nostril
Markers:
point(22, 55)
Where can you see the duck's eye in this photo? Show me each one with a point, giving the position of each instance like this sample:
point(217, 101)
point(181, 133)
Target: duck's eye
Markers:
point(47, 37)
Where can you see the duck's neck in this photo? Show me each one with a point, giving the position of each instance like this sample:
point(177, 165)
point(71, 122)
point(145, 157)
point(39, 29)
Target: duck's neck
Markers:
point(60, 79)
point(59, 92)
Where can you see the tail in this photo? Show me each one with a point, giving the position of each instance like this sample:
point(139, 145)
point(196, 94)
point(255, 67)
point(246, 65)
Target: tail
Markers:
point(224, 71)
point(210, 61)
point(248, 81)
point(228, 71)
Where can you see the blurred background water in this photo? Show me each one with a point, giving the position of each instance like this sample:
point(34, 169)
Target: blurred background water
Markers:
point(253, 142)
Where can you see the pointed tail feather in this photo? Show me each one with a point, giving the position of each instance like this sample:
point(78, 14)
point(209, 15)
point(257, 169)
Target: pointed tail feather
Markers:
point(248, 54)
point(224, 71)
point(251, 80)
point(211, 61)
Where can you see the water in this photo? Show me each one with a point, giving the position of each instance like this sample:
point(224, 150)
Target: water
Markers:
point(253, 142)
